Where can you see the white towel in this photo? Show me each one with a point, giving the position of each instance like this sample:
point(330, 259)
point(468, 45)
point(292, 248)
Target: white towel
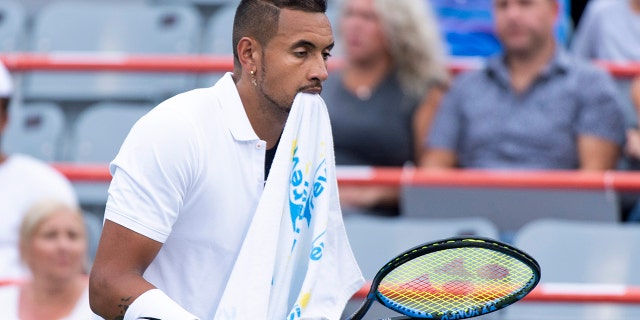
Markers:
point(313, 273)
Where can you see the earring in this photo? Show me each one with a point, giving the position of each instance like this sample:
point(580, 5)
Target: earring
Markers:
point(253, 78)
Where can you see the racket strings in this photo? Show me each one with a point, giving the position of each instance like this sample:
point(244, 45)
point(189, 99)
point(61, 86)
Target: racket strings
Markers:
point(455, 279)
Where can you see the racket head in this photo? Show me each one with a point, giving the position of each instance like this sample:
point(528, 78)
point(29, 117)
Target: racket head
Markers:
point(455, 278)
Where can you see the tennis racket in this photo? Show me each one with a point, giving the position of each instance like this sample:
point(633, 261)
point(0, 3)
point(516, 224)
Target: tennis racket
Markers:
point(454, 278)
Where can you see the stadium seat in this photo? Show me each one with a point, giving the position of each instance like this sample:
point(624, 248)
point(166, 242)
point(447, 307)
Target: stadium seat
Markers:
point(217, 40)
point(13, 19)
point(580, 252)
point(376, 240)
point(96, 138)
point(218, 31)
point(334, 11)
point(111, 29)
point(100, 130)
point(35, 129)
point(509, 208)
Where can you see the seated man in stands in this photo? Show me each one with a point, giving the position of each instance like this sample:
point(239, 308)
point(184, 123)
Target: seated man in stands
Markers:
point(598, 36)
point(531, 107)
point(23, 181)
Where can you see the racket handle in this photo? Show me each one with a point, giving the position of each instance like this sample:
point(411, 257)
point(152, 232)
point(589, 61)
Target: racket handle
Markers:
point(364, 307)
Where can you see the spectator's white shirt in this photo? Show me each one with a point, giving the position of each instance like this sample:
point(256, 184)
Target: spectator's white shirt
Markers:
point(10, 304)
point(23, 182)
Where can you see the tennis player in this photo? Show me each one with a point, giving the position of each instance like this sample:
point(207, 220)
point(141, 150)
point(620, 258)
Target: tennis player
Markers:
point(188, 178)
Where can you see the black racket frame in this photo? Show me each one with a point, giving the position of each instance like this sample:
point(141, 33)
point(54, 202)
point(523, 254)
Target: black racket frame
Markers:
point(444, 244)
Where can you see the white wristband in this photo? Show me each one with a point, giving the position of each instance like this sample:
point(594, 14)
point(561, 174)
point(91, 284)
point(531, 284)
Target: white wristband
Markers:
point(155, 304)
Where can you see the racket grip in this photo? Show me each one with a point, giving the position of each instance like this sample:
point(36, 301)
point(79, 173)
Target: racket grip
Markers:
point(364, 307)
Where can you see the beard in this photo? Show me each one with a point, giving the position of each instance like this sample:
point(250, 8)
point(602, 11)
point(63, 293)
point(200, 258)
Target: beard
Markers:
point(535, 44)
point(278, 106)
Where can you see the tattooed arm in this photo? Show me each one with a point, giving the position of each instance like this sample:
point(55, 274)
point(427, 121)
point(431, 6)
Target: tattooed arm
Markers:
point(116, 276)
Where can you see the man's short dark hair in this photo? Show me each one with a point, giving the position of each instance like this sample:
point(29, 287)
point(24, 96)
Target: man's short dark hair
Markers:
point(258, 19)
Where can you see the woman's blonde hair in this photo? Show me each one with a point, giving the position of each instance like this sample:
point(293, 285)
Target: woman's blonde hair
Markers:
point(37, 214)
point(414, 42)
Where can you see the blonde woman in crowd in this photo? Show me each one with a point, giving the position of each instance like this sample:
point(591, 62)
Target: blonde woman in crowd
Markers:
point(382, 101)
point(53, 245)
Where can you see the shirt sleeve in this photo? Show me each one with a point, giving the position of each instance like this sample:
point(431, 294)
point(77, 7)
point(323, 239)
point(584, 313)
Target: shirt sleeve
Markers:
point(601, 112)
point(59, 187)
point(46, 182)
point(152, 174)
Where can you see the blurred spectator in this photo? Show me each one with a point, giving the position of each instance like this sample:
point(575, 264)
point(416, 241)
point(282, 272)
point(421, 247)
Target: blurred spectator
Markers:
point(600, 36)
point(577, 9)
point(23, 181)
point(609, 30)
point(53, 245)
point(532, 107)
point(384, 98)
point(467, 26)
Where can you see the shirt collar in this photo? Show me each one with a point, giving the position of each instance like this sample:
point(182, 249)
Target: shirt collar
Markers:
point(232, 107)
point(559, 63)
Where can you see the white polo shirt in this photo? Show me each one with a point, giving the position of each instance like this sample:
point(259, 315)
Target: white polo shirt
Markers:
point(10, 304)
point(190, 174)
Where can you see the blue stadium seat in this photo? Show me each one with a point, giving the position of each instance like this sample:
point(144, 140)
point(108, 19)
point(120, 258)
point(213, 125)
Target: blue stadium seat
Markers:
point(96, 137)
point(13, 19)
point(217, 40)
point(35, 129)
point(334, 11)
point(376, 240)
point(112, 29)
point(509, 208)
point(218, 31)
point(587, 252)
point(100, 130)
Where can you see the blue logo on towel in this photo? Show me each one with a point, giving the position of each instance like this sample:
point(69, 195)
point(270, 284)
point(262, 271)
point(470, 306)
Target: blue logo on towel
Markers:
point(303, 192)
point(317, 247)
